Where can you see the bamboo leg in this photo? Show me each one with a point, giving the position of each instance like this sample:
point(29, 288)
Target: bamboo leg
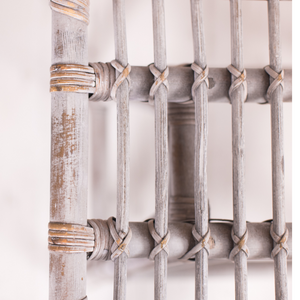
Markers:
point(280, 260)
point(122, 218)
point(69, 154)
point(238, 148)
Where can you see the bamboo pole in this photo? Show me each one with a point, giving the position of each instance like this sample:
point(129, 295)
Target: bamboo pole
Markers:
point(200, 163)
point(69, 158)
point(238, 150)
point(181, 79)
point(280, 265)
point(259, 241)
point(122, 219)
point(161, 149)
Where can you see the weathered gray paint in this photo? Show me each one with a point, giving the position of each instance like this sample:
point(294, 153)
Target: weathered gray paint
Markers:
point(69, 154)
point(280, 265)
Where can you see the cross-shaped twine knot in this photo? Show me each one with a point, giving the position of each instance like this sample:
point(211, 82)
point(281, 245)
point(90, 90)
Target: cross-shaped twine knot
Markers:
point(160, 78)
point(278, 80)
point(240, 244)
point(162, 243)
point(281, 242)
point(124, 75)
point(203, 243)
point(121, 239)
point(203, 76)
point(240, 80)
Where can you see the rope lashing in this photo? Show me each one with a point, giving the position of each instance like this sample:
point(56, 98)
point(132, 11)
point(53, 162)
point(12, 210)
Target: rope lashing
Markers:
point(202, 76)
point(240, 244)
point(121, 240)
point(278, 80)
point(160, 78)
point(70, 238)
point(78, 9)
point(103, 240)
point(104, 77)
point(240, 80)
point(202, 243)
point(124, 75)
point(281, 242)
point(162, 243)
point(72, 78)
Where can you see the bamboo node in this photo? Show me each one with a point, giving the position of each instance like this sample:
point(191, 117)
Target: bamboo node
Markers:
point(72, 78)
point(160, 78)
point(240, 80)
point(125, 71)
point(70, 238)
point(202, 77)
point(202, 243)
point(77, 9)
point(281, 242)
point(162, 243)
point(239, 244)
point(278, 80)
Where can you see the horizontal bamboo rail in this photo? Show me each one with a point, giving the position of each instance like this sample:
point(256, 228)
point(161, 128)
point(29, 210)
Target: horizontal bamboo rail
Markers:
point(181, 79)
point(259, 242)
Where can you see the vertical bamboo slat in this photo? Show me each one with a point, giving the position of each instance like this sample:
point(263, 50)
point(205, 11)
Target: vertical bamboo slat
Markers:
point(69, 154)
point(122, 219)
point(280, 260)
point(200, 167)
point(238, 148)
point(161, 149)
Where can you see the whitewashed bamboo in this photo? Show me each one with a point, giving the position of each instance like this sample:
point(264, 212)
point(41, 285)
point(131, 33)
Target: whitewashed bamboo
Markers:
point(161, 149)
point(69, 158)
point(238, 150)
point(200, 163)
point(122, 218)
point(181, 79)
point(181, 241)
point(280, 265)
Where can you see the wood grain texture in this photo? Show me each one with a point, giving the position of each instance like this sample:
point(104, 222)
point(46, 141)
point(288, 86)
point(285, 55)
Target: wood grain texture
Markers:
point(200, 152)
point(122, 217)
point(161, 149)
point(280, 264)
point(238, 150)
point(69, 159)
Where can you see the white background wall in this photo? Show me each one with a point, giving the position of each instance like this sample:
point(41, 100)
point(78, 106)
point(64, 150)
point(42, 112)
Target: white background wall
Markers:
point(25, 143)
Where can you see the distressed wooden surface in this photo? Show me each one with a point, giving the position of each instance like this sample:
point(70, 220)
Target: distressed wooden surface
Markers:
point(122, 219)
point(181, 240)
point(181, 79)
point(161, 149)
point(69, 159)
point(200, 152)
point(238, 150)
point(280, 264)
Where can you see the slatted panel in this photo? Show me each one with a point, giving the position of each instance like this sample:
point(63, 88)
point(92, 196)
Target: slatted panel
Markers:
point(161, 150)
